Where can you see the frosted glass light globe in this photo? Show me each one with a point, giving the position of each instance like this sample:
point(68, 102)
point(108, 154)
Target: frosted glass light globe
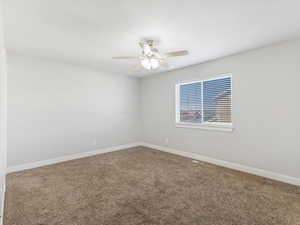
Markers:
point(150, 63)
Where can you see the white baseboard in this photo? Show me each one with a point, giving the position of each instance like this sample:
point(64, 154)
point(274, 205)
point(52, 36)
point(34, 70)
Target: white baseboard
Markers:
point(69, 157)
point(231, 165)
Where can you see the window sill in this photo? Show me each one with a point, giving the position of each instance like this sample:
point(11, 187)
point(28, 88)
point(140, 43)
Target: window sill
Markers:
point(225, 128)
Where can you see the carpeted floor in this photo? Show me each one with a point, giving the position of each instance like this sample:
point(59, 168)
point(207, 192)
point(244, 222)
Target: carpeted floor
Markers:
point(144, 186)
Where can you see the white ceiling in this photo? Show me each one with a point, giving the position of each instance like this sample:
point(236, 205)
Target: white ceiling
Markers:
point(91, 32)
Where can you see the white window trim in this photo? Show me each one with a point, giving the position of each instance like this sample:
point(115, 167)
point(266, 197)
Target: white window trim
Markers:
point(204, 125)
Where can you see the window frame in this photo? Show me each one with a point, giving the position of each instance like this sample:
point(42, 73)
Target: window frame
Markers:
point(204, 125)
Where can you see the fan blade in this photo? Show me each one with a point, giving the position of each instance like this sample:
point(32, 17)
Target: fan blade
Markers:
point(178, 53)
point(125, 57)
point(164, 64)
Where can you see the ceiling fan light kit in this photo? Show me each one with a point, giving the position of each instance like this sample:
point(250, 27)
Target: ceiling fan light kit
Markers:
point(151, 59)
point(149, 63)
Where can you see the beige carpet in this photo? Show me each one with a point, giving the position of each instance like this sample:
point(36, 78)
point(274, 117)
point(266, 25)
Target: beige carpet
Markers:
point(144, 186)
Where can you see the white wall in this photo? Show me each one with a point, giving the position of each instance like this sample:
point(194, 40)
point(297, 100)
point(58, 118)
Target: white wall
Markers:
point(56, 109)
point(266, 109)
point(2, 107)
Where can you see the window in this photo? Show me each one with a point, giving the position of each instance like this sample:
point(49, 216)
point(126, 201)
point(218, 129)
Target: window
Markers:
point(205, 103)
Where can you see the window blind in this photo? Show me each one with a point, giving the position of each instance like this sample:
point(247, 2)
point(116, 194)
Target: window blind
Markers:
point(205, 102)
point(217, 100)
point(191, 103)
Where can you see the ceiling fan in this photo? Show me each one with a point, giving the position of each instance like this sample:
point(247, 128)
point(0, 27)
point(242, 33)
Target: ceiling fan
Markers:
point(151, 58)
